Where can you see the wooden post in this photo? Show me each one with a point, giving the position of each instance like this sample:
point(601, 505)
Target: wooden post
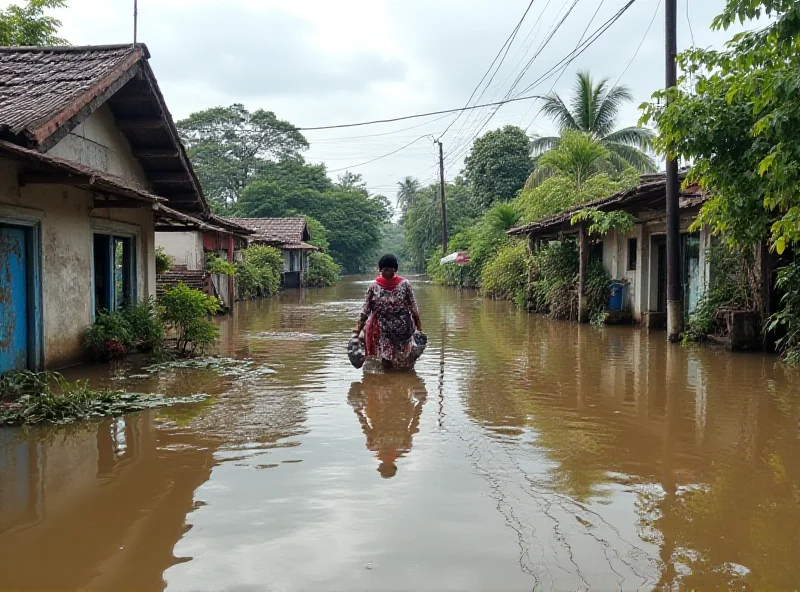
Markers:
point(583, 301)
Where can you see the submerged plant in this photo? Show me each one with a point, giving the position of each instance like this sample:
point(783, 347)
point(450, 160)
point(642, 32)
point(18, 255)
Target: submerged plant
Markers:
point(47, 397)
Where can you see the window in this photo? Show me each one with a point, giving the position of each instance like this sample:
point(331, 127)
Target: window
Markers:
point(632, 248)
point(114, 272)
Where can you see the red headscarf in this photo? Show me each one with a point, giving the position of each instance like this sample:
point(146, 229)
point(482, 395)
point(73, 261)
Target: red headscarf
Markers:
point(388, 284)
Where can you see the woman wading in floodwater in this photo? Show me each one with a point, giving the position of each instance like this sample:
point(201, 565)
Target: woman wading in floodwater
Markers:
point(392, 330)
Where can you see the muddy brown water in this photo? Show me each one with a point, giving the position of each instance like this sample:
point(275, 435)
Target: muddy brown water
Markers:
point(522, 454)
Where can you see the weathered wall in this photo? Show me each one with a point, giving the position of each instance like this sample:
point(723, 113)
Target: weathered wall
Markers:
point(185, 248)
point(66, 224)
point(99, 144)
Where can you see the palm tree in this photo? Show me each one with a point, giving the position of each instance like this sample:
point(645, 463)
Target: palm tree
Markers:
point(578, 156)
point(407, 191)
point(594, 109)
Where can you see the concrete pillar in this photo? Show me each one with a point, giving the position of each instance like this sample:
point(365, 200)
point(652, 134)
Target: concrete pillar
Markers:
point(583, 301)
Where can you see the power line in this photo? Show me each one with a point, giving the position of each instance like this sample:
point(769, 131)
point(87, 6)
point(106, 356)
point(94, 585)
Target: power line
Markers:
point(689, 21)
point(530, 63)
point(460, 140)
point(580, 49)
point(415, 116)
point(507, 46)
point(641, 43)
point(564, 69)
point(380, 157)
point(381, 134)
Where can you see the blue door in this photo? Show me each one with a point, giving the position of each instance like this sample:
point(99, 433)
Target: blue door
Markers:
point(13, 299)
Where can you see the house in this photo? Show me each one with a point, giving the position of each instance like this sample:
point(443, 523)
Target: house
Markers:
point(90, 162)
point(189, 241)
point(291, 236)
point(637, 260)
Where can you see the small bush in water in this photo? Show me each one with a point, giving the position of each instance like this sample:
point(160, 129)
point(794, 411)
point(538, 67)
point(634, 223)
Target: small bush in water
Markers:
point(115, 334)
point(259, 274)
point(185, 311)
point(506, 275)
point(322, 270)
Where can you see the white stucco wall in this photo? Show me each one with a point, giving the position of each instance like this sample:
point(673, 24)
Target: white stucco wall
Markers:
point(185, 248)
point(99, 144)
point(66, 222)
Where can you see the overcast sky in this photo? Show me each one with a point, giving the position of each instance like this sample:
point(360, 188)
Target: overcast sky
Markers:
point(326, 62)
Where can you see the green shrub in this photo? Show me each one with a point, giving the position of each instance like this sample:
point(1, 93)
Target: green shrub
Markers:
point(144, 325)
point(163, 261)
point(554, 275)
point(217, 265)
point(598, 292)
point(787, 319)
point(186, 311)
point(322, 270)
point(506, 275)
point(109, 338)
point(731, 287)
point(259, 274)
point(115, 334)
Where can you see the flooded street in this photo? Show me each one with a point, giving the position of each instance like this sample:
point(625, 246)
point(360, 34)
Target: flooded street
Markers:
point(522, 454)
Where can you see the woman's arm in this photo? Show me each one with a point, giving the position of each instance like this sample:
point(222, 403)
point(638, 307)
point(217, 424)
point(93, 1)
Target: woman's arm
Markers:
point(411, 303)
point(365, 311)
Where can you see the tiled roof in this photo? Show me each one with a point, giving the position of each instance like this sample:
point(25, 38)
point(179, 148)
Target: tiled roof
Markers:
point(39, 83)
point(45, 92)
point(275, 230)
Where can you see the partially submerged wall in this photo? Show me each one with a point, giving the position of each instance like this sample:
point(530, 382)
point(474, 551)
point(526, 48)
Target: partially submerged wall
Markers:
point(66, 223)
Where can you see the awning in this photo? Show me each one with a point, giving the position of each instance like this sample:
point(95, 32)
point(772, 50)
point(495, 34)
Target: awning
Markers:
point(459, 258)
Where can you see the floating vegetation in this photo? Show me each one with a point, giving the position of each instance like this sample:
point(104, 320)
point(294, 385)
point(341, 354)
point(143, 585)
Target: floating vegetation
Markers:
point(228, 367)
point(47, 397)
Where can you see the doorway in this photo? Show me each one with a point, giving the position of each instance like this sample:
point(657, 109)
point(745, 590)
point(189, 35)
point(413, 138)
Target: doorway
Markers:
point(19, 297)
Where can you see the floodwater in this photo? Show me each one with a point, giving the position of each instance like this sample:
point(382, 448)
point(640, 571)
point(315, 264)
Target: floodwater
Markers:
point(522, 454)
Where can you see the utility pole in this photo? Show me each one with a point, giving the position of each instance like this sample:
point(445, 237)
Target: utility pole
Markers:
point(135, 20)
point(674, 288)
point(444, 201)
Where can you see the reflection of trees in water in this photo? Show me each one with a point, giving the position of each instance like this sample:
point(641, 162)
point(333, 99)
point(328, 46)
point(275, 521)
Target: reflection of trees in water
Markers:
point(389, 407)
point(715, 434)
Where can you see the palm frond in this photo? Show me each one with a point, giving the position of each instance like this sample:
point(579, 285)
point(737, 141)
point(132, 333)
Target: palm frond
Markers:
point(555, 109)
point(632, 157)
point(638, 137)
point(606, 115)
point(542, 144)
point(538, 176)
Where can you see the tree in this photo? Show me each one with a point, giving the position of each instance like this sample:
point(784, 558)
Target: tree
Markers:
point(595, 110)
point(229, 147)
point(423, 223)
point(350, 181)
point(498, 165)
point(28, 25)
point(407, 190)
point(741, 128)
point(579, 156)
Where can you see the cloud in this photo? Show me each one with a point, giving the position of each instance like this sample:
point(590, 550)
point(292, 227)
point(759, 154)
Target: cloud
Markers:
point(248, 52)
point(318, 62)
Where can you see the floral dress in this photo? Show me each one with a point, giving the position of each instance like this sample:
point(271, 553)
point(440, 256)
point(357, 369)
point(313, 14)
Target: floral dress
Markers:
point(388, 315)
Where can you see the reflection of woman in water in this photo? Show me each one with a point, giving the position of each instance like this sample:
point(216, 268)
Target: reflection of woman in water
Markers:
point(389, 407)
point(390, 317)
